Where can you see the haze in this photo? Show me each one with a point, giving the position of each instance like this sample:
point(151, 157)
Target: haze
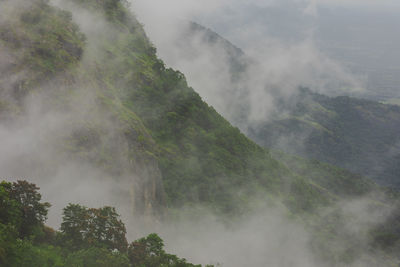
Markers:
point(362, 36)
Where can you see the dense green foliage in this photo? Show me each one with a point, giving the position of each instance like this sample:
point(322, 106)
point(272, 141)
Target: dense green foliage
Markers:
point(87, 237)
point(149, 252)
point(21, 208)
point(85, 228)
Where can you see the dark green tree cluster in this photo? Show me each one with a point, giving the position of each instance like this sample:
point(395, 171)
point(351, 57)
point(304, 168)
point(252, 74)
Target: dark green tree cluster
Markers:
point(149, 252)
point(84, 228)
point(88, 237)
point(21, 208)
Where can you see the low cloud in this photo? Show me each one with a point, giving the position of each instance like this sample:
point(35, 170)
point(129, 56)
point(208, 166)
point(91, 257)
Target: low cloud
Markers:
point(33, 145)
point(275, 66)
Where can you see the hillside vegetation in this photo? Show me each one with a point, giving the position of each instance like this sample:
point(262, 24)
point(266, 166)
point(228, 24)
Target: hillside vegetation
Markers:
point(138, 122)
point(355, 134)
point(88, 237)
point(359, 135)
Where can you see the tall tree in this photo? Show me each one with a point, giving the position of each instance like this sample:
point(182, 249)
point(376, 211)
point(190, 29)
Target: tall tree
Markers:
point(149, 252)
point(33, 212)
point(83, 227)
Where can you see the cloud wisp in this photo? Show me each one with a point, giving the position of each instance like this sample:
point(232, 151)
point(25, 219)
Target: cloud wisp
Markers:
point(274, 65)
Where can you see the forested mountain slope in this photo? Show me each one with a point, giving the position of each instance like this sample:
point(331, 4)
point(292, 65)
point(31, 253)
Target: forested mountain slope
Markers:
point(137, 115)
point(86, 92)
point(359, 135)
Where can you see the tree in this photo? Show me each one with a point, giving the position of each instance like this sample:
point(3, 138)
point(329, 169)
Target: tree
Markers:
point(21, 215)
point(149, 252)
point(107, 229)
point(10, 211)
point(34, 213)
point(146, 250)
point(74, 225)
point(83, 228)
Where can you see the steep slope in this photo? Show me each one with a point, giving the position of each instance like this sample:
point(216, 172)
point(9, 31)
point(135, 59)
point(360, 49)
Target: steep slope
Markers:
point(132, 118)
point(124, 113)
point(49, 75)
point(202, 158)
point(359, 135)
point(334, 184)
point(97, 97)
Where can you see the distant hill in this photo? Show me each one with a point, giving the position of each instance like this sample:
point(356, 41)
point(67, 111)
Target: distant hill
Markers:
point(359, 135)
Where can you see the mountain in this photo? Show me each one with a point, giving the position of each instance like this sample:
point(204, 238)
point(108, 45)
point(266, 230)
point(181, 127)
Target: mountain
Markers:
point(126, 113)
point(355, 134)
point(85, 100)
point(45, 67)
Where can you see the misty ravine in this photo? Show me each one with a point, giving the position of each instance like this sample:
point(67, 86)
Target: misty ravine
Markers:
point(107, 153)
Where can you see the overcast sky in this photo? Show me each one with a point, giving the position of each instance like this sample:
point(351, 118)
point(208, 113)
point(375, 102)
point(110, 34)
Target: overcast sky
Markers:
point(363, 35)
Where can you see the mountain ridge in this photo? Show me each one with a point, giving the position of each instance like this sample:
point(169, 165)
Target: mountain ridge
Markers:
point(356, 134)
point(136, 123)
